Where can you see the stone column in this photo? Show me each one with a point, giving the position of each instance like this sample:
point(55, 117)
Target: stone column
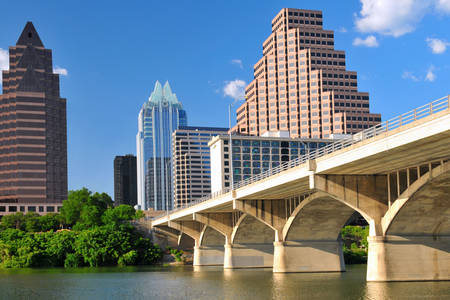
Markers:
point(248, 256)
point(208, 255)
point(409, 258)
point(308, 256)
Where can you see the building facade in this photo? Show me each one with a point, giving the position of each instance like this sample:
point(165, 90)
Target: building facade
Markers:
point(192, 163)
point(159, 117)
point(301, 84)
point(125, 180)
point(33, 143)
point(252, 155)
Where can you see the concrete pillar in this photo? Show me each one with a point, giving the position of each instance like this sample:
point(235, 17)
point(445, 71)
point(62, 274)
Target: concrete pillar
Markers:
point(208, 256)
point(410, 258)
point(308, 256)
point(248, 256)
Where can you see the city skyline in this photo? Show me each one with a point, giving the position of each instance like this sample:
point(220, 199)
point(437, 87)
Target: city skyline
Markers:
point(396, 80)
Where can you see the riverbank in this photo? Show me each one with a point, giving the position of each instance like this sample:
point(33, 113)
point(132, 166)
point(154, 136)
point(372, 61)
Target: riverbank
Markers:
point(94, 233)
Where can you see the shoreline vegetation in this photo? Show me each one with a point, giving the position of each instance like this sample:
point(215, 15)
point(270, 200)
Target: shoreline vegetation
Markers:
point(90, 232)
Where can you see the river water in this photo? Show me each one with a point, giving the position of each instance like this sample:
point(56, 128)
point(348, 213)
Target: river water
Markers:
point(187, 282)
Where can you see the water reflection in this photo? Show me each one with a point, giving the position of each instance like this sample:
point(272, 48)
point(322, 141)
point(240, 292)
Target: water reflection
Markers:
point(186, 282)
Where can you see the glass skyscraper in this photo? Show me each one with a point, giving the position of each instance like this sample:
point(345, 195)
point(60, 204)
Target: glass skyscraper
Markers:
point(161, 115)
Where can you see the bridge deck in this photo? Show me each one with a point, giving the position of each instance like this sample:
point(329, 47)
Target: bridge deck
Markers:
point(417, 142)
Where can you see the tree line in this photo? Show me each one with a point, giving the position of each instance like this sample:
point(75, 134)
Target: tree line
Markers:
point(89, 231)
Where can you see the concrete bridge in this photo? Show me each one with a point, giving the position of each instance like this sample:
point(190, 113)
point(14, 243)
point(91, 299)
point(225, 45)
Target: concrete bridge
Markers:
point(396, 175)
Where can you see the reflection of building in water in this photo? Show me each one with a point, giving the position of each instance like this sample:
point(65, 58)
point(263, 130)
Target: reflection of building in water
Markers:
point(158, 118)
point(253, 155)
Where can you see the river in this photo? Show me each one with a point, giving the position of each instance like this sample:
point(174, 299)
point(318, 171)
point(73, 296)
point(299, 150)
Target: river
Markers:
point(187, 282)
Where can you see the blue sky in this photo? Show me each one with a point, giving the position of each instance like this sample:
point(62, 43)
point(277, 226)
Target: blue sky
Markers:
point(114, 51)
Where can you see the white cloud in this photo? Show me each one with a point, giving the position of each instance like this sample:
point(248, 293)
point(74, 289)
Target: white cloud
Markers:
point(410, 75)
point(437, 46)
point(370, 41)
point(237, 62)
point(431, 76)
point(4, 62)
point(235, 89)
point(342, 30)
point(396, 17)
point(60, 71)
point(389, 17)
point(443, 5)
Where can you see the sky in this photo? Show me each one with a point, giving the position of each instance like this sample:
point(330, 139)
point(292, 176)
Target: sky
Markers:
point(110, 53)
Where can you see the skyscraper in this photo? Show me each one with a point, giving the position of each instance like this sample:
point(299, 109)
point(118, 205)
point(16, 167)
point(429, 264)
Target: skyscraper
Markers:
point(158, 118)
point(33, 155)
point(301, 84)
point(125, 185)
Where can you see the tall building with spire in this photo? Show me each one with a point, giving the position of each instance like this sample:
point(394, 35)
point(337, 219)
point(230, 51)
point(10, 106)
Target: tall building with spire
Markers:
point(159, 117)
point(33, 142)
point(301, 84)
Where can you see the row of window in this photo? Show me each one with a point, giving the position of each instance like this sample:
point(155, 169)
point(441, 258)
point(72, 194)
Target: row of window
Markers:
point(305, 14)
point(30, 208)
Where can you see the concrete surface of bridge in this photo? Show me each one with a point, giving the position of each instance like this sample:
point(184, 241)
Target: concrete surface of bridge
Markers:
point(396, 175)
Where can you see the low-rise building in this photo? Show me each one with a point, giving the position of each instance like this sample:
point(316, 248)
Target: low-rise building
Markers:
point(252, 155)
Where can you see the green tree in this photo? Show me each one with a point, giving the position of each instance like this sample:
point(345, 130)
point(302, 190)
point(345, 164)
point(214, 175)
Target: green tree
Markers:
point(32, 222)
point(16, 221)
point(51, 221)
point(118, 215)
point(90, 216)
point(71, 209)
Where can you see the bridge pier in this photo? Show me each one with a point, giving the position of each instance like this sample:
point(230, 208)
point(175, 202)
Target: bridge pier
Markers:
point(308, 256)
point(248, 256)
point(393, 258)
point(208, 255)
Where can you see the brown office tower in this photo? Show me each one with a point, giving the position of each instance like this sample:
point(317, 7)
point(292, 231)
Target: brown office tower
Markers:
point(33, 142)
point(301, 85)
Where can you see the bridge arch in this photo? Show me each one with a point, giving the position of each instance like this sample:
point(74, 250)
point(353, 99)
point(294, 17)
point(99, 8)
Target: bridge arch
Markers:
point(319, 217)
point(211, 237)
point(250, 230)
point(423, 208)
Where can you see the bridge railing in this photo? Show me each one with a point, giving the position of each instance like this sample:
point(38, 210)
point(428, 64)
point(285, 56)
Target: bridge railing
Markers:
point(391, 124)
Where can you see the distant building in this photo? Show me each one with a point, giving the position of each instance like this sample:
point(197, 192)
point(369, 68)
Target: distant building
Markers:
point(192, 163)
point(253, 155)
point(125, 182)
point(159, 117)
point(301, 83)
point(33, 156)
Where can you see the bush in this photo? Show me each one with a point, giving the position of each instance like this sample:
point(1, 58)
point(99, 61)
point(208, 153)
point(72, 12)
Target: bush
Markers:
point(177, 254)
point(73, 260)
point(128, 259)
point(102, 236)
point(355, 245)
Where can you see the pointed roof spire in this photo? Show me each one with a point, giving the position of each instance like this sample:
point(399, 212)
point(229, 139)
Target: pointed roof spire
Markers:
point(167, 89)
point(29, 36)
point(157, 92)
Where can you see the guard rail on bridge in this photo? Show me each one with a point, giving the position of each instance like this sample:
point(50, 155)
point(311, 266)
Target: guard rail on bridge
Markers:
point(396, 122)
